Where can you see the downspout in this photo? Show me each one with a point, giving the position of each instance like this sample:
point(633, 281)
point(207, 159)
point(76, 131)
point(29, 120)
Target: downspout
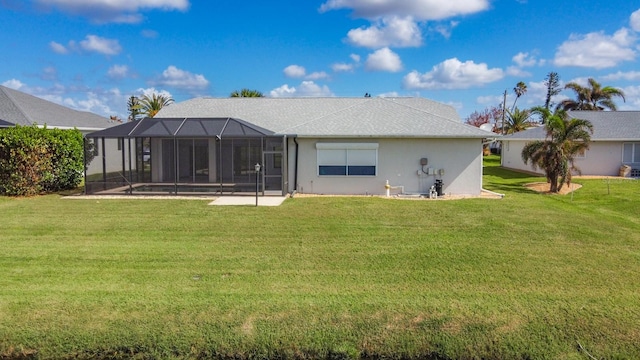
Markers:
point(104, 165)
point(84, 162)
point(124, 166)
point(130, 171)
point(175, 165)
point(295, 170)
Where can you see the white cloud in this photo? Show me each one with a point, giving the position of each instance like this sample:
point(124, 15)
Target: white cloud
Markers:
point(14, 84)
point(150, 91)
point(445, 30)
point(632, 96)
point(383, 60)
point(492, 100)
point(517, 72)
point(305, 89)
point(181, 79)
point(453, 74)
point(419, 9)
point(58, 48)
point(388, 31)
point(317, 75)
point(93, 43)
point(119, 11)
point(355, 58)
point(283, 91)
point(524, 59)
point(295, 71)
point(342, 67)
point(118, 71)
point(634, 21)
point(630, 76)
point(299, 72)
point(596, 50)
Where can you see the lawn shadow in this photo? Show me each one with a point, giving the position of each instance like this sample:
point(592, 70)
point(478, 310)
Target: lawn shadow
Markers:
point(499, 179)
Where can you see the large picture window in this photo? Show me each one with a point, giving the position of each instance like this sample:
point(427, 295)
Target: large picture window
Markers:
point(347, 159)
point(631, 153)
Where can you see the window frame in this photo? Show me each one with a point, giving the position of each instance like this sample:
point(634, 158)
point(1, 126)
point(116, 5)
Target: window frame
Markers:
point(635, 148)
point(349, 168)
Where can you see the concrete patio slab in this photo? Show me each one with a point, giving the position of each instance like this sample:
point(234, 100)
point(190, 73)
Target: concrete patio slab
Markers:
point(248, 200)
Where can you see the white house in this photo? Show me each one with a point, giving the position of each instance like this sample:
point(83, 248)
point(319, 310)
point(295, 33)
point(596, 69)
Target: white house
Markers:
point(304, 145)
point(615, 142)
point(19, 108)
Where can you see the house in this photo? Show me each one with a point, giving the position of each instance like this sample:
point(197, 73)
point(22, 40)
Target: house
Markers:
point(5, 124)
point(19, 108)
point(615, 142)
point(304, 145)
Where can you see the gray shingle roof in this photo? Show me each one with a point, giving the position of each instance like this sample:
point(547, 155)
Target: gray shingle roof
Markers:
point(5, 124)
point(607, 126)
point(23, 109)
point(334, 117)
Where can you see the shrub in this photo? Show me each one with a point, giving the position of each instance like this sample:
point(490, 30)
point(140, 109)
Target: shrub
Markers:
point(34, 160)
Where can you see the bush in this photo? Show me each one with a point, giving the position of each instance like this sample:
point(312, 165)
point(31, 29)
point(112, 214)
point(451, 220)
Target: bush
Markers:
point(34, 160)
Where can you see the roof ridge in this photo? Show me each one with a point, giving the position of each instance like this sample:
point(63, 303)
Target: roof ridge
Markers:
point(325, 115)
point(391, 99)
point(13, 101)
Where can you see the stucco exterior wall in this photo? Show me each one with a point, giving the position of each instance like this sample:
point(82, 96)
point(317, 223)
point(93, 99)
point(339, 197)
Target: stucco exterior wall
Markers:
point(603, 158)
point(398, 162)
point(113, 154)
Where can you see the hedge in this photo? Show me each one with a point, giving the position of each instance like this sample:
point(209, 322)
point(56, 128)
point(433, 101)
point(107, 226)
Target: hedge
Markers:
point(37, 160)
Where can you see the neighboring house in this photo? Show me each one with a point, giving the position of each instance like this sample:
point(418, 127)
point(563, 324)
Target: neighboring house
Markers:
point(18, 108)
point(304, 145)
point(615, 142)
point(5, 124)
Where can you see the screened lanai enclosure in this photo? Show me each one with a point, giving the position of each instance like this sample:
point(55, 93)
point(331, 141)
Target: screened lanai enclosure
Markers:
point(185, 156)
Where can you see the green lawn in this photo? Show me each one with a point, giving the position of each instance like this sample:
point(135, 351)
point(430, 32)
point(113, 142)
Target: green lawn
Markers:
point(530, 276)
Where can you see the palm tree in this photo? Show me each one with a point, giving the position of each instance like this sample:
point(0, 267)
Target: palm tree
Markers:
point(150, 105)
point(246, 93)
point(592, 97)
point(518, 120)
point(519, 90)
point(565, 139)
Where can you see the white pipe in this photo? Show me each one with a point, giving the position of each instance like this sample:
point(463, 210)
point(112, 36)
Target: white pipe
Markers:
point(494, 193)
point(389, 187)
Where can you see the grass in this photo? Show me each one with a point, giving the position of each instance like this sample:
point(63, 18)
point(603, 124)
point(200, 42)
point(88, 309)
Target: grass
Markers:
point(530, 276)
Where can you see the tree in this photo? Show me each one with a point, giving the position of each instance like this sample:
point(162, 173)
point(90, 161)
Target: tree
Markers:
point(134, 107)
point(487, 116)
point(518, 120)
point(552, 82)
point(565, 139)
point(150, 105)
point(592, 97)
point(246, 93)
point(519, 90)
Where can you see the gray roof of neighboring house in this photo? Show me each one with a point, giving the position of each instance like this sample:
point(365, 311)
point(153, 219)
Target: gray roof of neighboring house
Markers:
point(4, 124)
point(23, 109)
point(334, 117)
point(607, 126)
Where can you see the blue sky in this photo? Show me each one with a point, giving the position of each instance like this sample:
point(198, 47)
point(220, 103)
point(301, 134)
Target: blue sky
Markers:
point(93, 54)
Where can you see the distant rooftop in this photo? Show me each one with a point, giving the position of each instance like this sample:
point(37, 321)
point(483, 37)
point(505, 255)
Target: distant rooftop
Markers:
point(607, 126)
point(20, 108)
